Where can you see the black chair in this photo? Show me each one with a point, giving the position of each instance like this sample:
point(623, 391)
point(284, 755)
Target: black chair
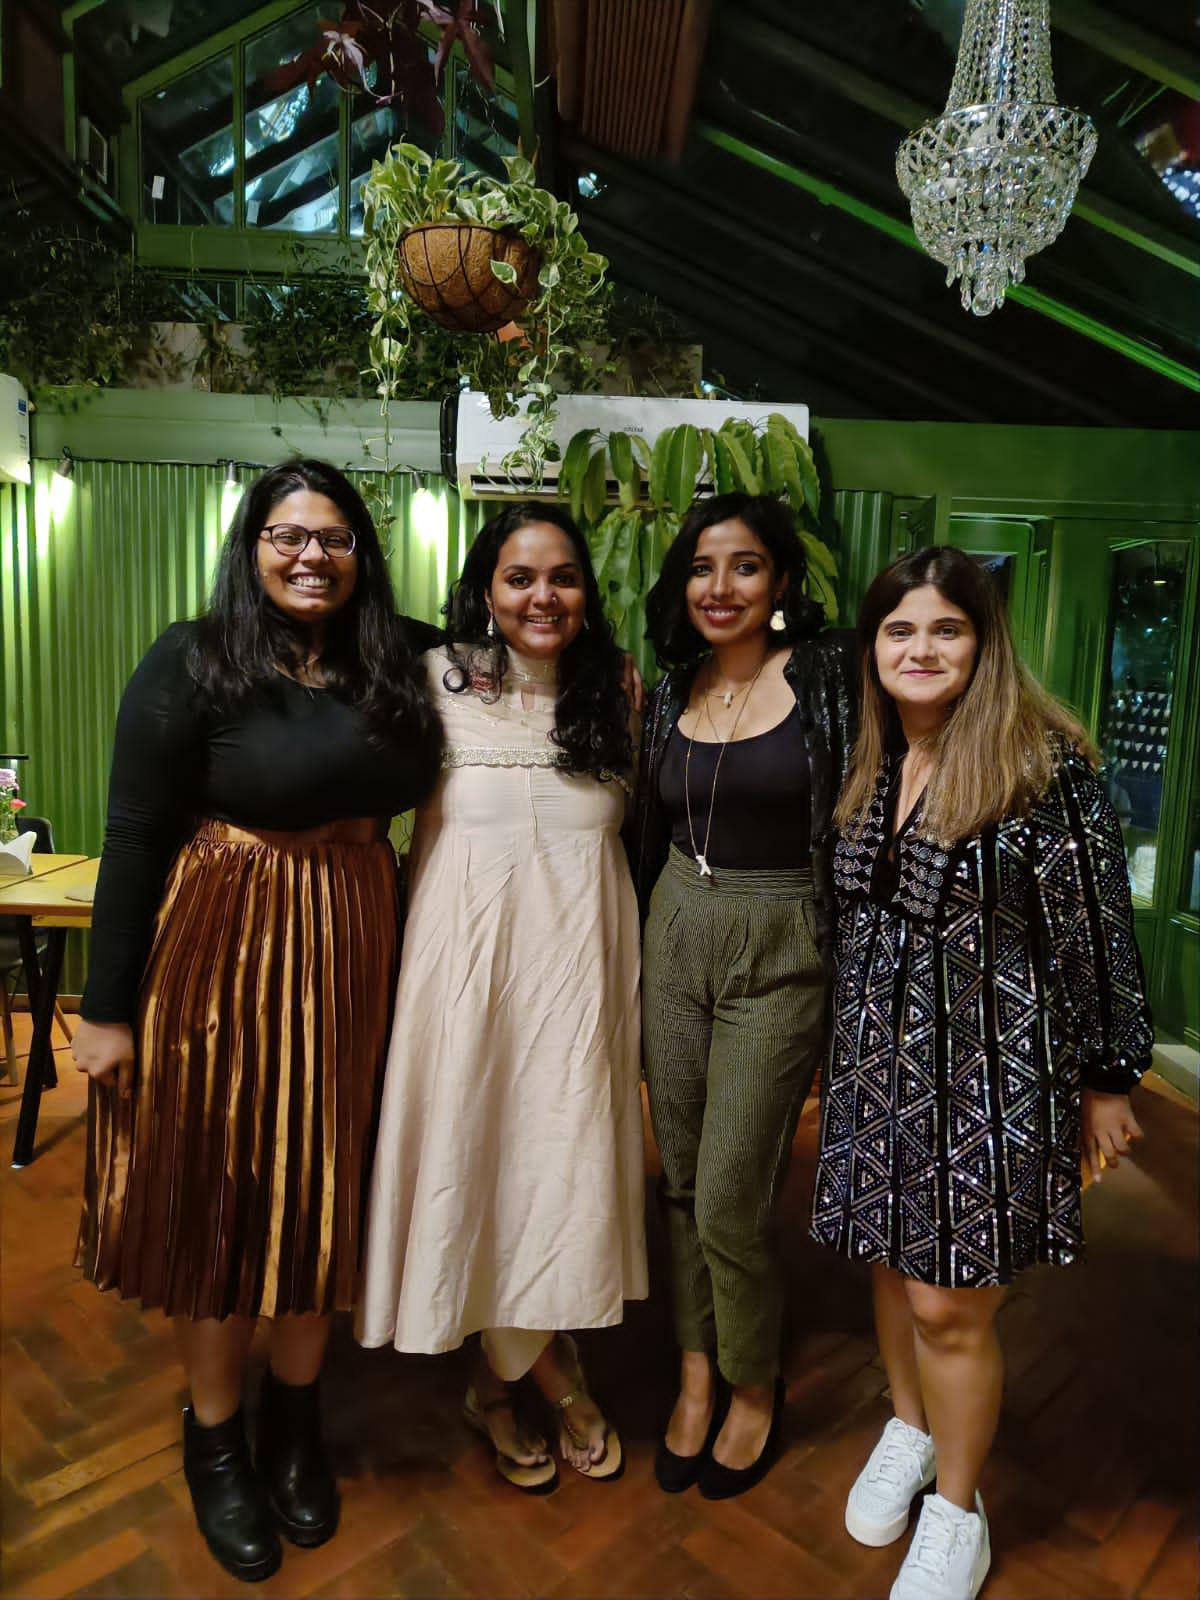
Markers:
point(11, 964)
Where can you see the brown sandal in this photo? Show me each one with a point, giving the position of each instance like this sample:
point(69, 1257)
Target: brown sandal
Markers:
point(612, 1463)
point(530, 1479)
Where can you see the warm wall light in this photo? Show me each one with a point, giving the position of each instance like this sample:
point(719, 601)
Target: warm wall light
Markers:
point(62, 488)
point(428, 517)
point(231, 492)
point(429, 521)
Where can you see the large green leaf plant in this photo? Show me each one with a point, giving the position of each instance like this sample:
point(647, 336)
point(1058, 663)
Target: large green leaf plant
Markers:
point(409, 187)
point(656, 484)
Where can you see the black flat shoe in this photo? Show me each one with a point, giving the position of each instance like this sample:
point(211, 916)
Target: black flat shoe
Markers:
point(673, 1473)
point(229, 1501)
point(292, 1463)
point(718, 1482)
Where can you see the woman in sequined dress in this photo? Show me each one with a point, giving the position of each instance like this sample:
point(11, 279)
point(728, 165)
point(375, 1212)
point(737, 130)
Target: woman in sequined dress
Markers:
point(508, 1191)
point(990, 1020)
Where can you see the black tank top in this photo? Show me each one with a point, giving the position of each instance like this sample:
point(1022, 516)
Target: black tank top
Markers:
point(760, 816)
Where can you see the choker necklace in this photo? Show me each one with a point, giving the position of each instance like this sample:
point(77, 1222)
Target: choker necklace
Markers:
point(527, 669)
point(701, 856)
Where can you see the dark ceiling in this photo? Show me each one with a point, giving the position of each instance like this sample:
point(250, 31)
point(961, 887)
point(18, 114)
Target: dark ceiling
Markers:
point(798, 291)
point(774, 240)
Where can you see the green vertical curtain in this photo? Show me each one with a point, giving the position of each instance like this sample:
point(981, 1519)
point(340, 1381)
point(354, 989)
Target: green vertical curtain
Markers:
point(91, 572)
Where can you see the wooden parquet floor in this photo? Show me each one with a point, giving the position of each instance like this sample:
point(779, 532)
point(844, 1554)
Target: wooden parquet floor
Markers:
point(1091, 1491)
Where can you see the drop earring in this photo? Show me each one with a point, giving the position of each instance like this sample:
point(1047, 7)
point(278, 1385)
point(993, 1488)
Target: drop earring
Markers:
point(778, 621)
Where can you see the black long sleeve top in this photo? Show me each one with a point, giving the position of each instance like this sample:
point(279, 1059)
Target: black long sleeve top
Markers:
point(292, 757)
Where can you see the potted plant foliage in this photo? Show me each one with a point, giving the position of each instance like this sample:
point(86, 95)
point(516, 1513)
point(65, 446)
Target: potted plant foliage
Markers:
point(457, 256)
point(655, 487)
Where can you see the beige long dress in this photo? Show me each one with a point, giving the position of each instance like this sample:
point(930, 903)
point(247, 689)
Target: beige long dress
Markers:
point(507, 1190)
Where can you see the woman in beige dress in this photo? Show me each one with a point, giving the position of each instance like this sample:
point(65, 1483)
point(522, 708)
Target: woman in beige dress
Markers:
point(507, 1196)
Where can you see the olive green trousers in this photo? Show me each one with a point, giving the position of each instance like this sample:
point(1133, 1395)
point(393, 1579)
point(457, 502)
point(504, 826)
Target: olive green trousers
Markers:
point(733, 1010)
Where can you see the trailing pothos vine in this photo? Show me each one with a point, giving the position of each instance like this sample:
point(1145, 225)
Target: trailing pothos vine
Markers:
point(656, 485)
point(410, 187)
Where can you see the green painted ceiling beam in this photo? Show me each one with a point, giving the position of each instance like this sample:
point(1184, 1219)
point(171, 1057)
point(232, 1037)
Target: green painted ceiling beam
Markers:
point(895, 106)
point(1022, 293)
point(1111, 35)
point(809, 335)
point(234, 251)
point(216, 44)
point(738, 220)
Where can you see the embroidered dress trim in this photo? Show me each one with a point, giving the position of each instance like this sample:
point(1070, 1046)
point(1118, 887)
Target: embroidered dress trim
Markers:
point(516, 755)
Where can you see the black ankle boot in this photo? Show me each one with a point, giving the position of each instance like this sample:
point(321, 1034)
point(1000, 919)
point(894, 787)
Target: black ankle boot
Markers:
point(230, 1505)
point(291, 1458)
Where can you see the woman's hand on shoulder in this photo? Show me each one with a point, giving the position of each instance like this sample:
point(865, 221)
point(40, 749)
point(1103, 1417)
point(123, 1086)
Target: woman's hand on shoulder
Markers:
point(103, 1048)
point(1107, 1124)
point(635, 689)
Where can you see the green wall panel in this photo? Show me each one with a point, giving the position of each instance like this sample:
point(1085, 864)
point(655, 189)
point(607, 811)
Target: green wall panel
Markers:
point(94, 569)
point(86, 586)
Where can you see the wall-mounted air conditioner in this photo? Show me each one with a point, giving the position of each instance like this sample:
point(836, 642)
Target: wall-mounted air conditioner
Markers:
point(474, 443)
point(14, 431)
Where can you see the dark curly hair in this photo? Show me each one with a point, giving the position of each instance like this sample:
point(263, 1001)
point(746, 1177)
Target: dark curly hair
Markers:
point(668, 626)
point(591, 714)
point(365, 658)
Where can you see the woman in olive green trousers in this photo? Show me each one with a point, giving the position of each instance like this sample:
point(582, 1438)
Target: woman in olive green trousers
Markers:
point(744, 749)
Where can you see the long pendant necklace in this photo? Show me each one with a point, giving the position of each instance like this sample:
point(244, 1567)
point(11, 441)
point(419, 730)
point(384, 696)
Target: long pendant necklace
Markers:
point(701, 856)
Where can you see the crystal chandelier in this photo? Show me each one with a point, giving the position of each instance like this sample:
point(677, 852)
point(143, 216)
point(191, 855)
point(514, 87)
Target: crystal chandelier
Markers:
point(993, 179)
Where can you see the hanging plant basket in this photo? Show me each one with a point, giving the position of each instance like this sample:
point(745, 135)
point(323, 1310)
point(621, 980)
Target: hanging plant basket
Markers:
point(447, 269)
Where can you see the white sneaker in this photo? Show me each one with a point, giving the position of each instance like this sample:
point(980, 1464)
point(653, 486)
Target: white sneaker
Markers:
point(898, 1468)
point(949, 1555)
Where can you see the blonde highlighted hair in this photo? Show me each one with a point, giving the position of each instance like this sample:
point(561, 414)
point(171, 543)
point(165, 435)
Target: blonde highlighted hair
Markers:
point(1004, 738)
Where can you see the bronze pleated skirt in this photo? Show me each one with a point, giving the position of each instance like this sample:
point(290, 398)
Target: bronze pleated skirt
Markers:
point(233, 1180)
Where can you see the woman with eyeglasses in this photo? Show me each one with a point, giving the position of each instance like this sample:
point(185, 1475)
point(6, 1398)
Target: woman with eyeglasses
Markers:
point(237, 1005)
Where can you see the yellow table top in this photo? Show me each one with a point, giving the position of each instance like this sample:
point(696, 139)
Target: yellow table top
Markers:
point(53, 898)
point(39, 867)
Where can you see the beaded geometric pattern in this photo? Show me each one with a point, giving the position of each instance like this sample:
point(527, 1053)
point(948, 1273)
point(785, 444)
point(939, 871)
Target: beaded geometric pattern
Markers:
point(969, 1006)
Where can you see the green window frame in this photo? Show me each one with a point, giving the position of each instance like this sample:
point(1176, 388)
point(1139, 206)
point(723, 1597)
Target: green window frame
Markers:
point(237, 247)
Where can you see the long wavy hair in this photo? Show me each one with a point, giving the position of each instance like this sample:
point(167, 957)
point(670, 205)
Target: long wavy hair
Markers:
point(1005, 736)
point(670, 630)
point(365, 659)
point(591, 714)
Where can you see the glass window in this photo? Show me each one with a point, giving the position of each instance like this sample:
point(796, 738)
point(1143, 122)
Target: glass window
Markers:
point(1000, 569)
point(373, 131)
point(485, 125)
point(291, 138)
point(1145, 608)
point(187, 147)
point(1190, 898)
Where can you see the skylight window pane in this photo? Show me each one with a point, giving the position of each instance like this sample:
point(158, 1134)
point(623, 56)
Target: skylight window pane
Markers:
point(187, 148)
point(291, 142)
point(372, 133)
point(485, 125)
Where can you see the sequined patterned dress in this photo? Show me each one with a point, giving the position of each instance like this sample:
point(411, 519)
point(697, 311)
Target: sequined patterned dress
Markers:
point(978, 989)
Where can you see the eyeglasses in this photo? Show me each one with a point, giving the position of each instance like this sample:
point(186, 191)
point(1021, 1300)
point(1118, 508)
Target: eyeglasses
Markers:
point(292, 540)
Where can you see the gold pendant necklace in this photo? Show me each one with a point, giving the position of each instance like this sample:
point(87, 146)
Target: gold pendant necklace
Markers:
point(701, 856)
